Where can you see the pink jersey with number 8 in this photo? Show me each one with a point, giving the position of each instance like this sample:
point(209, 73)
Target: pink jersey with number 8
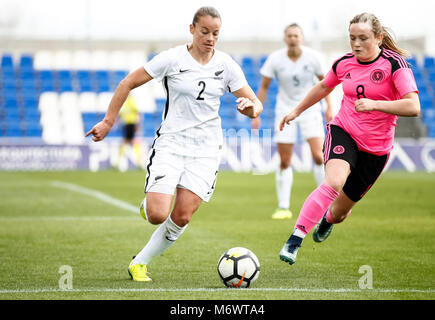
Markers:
point(388, 77)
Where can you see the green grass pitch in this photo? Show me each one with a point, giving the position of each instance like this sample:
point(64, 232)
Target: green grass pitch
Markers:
point(43, 227)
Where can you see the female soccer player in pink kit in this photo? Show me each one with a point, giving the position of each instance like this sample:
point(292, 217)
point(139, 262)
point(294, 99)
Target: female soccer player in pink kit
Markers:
point(378, 86)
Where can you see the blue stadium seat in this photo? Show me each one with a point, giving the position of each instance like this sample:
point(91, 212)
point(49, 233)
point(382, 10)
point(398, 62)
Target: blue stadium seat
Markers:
point(12, 113)
point(226, 113)
point(47, 85)
point(64, 74)
point(9, 84)
point(33, 132)
point(89, 116)
point(65, 85)
point(30, 102)
point(418, 75)
point(31, 118)
point(46, 74)
point(426, 101)
point(65, 80)
point(102, 74)
point(160, 104)
point(26, 62)
point(229, 123)
point(7, 75)
point(10, 102)
point(13, 125)
point(13, 132)
point(46, 81)
point(103, 85)
point(262, 60)
point(228, 98)
point(99, 116)
point(7, 63)
point(117, 76)
point(116, 131)
point(32, 125)
point(267, 122)
point(85, 84)
point(28, 86)
point(151, 55)
point(102, 77)
point(248, 61)
point(422, 88)
point(26, 74)
point(412, 61)
point(429, 62)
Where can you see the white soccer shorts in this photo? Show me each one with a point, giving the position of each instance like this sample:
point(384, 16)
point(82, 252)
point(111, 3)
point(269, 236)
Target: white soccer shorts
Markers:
point(166, 171)
point(310, 125)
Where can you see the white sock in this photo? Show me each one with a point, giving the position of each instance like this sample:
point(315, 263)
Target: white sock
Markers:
point(162, 238)
point(284, 182)
point(299, 233)
point(319, 173)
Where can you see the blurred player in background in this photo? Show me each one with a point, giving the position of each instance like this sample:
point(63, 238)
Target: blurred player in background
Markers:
point(378, 86)
point(129, 116)
point(186, 152)
point(297, 68)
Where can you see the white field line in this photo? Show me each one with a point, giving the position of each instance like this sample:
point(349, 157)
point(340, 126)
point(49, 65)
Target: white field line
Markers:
point(70, 218)
point(320, 290)
point(96, 194)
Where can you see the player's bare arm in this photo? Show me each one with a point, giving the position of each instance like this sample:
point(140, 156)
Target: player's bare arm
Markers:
point(131, 81)
point(247, 102)
point(317, 93)
point(408, 106)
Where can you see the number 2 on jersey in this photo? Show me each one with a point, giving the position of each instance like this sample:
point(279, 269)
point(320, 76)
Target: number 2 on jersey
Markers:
point(201, 83)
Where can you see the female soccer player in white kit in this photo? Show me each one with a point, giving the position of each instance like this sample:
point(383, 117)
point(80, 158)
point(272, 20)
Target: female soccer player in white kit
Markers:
point(297, 68)
point(185, 155)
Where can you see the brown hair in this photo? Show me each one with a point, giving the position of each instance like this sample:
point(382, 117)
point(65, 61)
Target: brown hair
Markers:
point(205, 11)
point(388, 41)
point(293, 25)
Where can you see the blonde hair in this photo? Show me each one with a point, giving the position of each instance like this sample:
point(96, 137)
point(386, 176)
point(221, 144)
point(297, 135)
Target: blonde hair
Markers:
point(388, 41)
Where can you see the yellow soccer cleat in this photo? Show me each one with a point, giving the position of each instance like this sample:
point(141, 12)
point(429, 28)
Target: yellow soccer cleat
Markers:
point(138, 272)
point(142, 210)
point(282, 214)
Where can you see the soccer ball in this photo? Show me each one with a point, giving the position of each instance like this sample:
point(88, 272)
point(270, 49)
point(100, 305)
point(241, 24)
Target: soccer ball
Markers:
point(238, 267)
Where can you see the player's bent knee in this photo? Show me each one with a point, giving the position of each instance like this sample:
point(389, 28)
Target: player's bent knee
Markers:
point(285, 164)
point(318, 159)
point(156, 216)
point(335, 183)
point(181, 218)
point(181, 221)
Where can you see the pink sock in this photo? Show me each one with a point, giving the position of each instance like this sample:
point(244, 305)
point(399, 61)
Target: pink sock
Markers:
point(315, 206)
point(332, 220)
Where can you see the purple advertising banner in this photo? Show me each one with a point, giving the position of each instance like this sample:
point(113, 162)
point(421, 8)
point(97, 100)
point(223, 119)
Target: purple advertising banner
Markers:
point(241, 155)
point(43, 157)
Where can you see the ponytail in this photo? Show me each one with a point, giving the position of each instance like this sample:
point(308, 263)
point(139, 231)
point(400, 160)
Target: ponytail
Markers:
point(388, 41)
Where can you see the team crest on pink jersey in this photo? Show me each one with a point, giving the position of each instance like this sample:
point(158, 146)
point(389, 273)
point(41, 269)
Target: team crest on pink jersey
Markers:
point(377, 76)
point(338, 150)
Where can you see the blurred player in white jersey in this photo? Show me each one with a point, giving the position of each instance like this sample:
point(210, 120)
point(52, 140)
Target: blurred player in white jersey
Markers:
point(297, 68)
point(184, 158)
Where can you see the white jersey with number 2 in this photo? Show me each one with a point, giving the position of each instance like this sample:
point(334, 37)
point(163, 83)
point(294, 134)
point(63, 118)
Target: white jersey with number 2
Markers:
point(191, 124)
